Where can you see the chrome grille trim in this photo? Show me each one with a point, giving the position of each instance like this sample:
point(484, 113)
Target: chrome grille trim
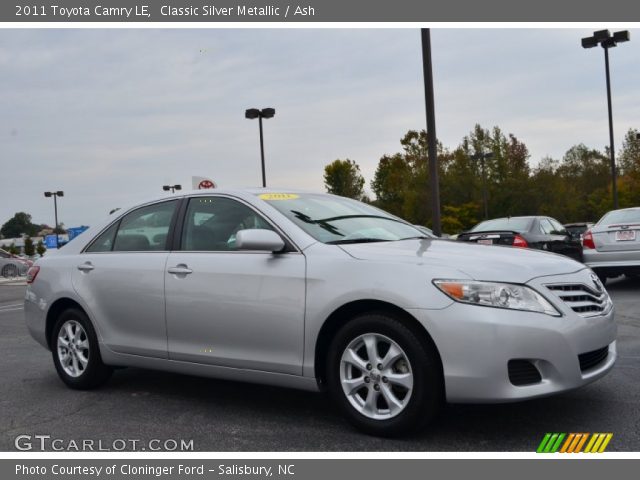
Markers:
point(583, 299)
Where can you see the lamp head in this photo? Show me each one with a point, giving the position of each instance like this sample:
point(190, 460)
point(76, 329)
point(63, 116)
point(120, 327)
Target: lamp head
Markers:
point(251, 113)
point(268, 112)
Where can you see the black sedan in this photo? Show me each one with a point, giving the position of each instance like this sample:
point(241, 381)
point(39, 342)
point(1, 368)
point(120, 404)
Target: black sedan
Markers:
point(541, 233)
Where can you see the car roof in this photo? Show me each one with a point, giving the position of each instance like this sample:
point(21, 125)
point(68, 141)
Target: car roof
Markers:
point(236, 191)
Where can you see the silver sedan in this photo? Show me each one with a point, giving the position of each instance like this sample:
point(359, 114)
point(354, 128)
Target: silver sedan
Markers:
point(612, 246)
point(318, 292)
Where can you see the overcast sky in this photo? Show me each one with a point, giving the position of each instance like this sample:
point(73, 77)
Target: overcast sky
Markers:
point(111, 115)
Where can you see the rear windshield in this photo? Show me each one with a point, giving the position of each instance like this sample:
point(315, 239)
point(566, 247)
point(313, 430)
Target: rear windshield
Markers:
point(511, 224)
point(620, 217)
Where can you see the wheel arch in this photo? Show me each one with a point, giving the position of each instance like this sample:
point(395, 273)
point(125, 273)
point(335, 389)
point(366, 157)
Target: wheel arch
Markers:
point(342, 315)
point(57, 307)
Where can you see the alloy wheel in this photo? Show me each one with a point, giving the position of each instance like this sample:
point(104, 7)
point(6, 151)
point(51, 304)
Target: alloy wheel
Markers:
point(376, 376)
point(73, 348)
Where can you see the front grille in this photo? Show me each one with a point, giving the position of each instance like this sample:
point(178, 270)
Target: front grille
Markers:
point(523, 372)
point(583, 300)
point(590, 360)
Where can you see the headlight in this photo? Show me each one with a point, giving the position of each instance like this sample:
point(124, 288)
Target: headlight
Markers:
point(499, 295)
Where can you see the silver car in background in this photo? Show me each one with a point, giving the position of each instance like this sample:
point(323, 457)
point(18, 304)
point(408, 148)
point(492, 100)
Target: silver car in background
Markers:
point(11, 266)
point(612, 246)
point(318, 292)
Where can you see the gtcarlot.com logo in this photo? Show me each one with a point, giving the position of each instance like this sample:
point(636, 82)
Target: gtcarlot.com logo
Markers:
point(47, 442)
point(574, 443)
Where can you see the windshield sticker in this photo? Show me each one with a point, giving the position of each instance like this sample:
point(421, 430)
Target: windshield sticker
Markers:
point(278, 196)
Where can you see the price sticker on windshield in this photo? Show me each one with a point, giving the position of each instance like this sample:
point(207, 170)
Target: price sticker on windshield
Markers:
point(278, 196)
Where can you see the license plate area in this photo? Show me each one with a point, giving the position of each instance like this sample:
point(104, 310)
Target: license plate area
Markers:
point(625, 235)
point(485, 241)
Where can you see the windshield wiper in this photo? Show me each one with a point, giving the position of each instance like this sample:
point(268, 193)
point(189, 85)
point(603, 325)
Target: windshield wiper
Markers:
point(357, 240)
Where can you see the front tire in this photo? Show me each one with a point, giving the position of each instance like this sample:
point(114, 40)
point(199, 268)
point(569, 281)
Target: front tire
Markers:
point(385, 379)
point(76, 353)
point(10, 271)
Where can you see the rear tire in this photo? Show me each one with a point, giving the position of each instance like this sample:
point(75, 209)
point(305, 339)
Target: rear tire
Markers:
point(397, 392)
point(76, 353)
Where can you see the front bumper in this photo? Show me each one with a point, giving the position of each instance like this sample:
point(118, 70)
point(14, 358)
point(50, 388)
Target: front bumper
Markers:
point(476, 344)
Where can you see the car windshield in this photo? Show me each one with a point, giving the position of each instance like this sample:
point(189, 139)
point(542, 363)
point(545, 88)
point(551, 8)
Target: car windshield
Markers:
point(518, 224)
point(338, 220)
point(621, 217)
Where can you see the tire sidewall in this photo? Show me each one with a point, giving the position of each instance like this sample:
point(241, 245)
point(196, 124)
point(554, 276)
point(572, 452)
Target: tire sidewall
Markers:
point(426, 393)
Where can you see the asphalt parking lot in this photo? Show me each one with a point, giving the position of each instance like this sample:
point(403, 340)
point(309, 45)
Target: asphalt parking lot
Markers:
point(229, 416)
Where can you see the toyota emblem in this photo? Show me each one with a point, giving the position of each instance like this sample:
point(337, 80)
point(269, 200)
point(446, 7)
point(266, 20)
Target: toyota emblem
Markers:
point(596, 282)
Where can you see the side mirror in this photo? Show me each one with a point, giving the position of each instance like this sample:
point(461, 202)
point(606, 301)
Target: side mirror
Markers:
point(259, 239)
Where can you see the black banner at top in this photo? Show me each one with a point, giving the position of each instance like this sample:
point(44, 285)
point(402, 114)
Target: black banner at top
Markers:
point(319, 11)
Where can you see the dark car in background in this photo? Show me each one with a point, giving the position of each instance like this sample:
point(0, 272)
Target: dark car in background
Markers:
point(577, 229)
point(537, 232)
point(612, 246)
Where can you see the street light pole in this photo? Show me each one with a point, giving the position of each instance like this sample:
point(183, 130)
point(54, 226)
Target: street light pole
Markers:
point(614, 173)
point(607, 41)
point(431, 130)
point(55, 195)
point(264, 174)
point(251, 114)
point(55, 210)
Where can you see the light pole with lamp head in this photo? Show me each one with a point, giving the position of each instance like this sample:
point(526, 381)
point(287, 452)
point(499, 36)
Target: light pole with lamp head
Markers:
point(173, 188)
point(251, 114)
point(607, 41)
point(55, 195)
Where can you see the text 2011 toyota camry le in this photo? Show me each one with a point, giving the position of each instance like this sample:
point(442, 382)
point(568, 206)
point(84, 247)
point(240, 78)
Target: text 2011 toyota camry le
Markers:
point(317, 292)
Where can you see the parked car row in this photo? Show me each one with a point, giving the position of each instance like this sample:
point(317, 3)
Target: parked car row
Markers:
point(611, 247)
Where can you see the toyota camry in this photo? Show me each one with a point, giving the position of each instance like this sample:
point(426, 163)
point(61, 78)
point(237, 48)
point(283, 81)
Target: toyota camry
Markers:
point(318, 292)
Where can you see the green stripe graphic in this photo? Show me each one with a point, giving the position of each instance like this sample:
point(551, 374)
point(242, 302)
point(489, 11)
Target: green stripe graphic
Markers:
point(543, 443)
point(558, 442)
point(551, 442)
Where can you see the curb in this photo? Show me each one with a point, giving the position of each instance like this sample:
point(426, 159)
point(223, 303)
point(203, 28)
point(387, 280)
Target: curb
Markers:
point(13, 281)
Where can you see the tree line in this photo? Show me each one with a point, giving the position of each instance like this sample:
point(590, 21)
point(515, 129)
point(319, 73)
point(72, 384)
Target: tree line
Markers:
point(575, 188)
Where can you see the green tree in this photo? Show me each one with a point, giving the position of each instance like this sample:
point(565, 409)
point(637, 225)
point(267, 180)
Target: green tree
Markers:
point(29, 248)
point(19, 225)
point(629, 156)
point(13, 250)
point(629, 162)
point(40, 248)
point(343, 177)
point(401, 181)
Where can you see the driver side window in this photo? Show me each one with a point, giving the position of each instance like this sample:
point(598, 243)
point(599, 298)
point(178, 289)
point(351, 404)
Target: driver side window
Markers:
point(211, 224)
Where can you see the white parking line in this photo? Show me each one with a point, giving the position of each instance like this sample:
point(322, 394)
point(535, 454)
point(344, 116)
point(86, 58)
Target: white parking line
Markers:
point(13, 305)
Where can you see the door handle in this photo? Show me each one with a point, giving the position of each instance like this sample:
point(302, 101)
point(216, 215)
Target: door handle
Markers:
point(180, 269)
point(86, 267)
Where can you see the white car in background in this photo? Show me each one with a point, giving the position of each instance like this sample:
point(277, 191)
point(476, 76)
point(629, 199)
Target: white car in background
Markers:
point(612, 246)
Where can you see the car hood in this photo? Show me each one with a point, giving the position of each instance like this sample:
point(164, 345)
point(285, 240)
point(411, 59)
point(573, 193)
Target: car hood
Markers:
point(480, 262)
